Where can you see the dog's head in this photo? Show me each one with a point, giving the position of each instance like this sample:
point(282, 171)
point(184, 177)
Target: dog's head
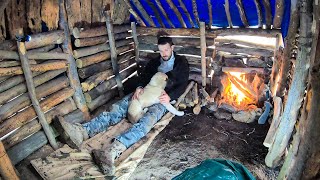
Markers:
point(159, 80)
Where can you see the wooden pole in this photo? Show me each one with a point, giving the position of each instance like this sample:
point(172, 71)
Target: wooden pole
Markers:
point(277, 20)
point(227, 10)
point(259, 12)
point(7, 171)
point(135, 15)
point(278, 58)
point(157, 14)
point(135, 40)
point(164, 13)
point(32, 92)
point(210, 14)
point(91, 41)
point(203, 52)
point(143, 13)
point(113, 51)
point(246, 43)
point(185, 11)
point(242, 13)
point(72, 70)
point(268, 15)
point(177, 12)
point(98, 31)
point(234, 49)
point(195, 11)
point(296, 91)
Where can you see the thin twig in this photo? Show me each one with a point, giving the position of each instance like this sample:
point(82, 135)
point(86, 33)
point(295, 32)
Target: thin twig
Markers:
point(242, 139)
point(251, 131)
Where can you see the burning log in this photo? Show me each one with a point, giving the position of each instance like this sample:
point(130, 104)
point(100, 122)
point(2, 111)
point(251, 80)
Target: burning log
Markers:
point(35, 68)
point(277, 110)
point(41, 91)
point(38, 80)
point(234, 49)
point(98, 31)
point(29, 113)
point(99, 40)
point(188, 100)
point(245, 89)
point(34, 126)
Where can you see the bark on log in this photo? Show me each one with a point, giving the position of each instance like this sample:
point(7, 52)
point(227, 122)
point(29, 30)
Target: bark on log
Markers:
point(250, 51)
point(184, 41)
point(268, 14)
point(259, 12)
point(135, 15)
point(277, 111)
point(177, 12)
point(195, 11)
point(164, 13)
point(195, 94)
point(34, 125)
point(3, 78)
point(91, 41)
point(186, 13)
point(242, 13)
point(21, 88)
point(278, 58)
point(7, 170)
point(135, 40)
point(32, 90)
point(98, 48)
point(277, 20)
point(41, 91)
point(94, 80)
point(32, 55)
point(243, 70)
point(35, 68)
point(143, 13)
point(13, 81)
point(227, 10)
point(72, 70)
point(9, 45)
point(102, 99)
point(171, 32)
point(45, 39)
point(5, 64)
point(203, 53)
point(75, 117)
point(156, 13)
point(43, 49)
point(210, 13)
point(246, 43)
point(29, 113)
point(98, 31)
point(296, 91)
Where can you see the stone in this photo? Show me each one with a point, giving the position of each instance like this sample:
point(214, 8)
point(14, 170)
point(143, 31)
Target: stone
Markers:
point(247, 116)
point(227, 107)
point(222, 115)
point(256, 62)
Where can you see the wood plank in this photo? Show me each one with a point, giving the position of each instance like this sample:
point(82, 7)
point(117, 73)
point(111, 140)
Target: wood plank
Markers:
point(178, 41)
point(85, 12)
point(243, 70)
point(234, 49)
point(245, 43)
point(50, 13)
point(73, 9)
point(96, 9)
point(100, 39)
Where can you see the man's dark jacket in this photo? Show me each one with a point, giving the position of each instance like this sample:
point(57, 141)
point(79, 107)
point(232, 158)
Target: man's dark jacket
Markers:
point(178, 76)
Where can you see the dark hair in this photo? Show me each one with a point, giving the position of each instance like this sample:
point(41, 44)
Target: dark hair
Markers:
point(165, 40)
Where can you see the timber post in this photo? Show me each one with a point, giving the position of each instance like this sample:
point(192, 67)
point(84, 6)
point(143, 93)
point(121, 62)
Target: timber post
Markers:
point(31, 90)
point(72, 70)
point(113, 51)
point(6, 167)
point(135, 40)
point(203, 52)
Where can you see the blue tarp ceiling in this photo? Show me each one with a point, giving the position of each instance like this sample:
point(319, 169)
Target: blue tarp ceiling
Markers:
point(219, 18)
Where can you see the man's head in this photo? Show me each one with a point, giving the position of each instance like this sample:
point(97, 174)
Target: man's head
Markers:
point(166, 47)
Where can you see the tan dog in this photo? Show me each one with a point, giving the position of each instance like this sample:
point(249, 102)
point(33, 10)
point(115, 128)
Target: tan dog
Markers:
point(150, 96)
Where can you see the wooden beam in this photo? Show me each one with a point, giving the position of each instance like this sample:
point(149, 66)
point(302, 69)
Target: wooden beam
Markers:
point(135, 40)
point(296, 91)
point(277, 20)
point(7, 170)
point(227, 10)
point(278, 58)
point(135, 15)
point(242, 13)
point(210, 13)
point(267, 11)
point(259, 12)
point(195, 11)
point(32, 55)
point(178, 41)
point(234, 49)
point(245, 43)
point(186, 13)
point(164, 13)
point(156, 12)
point(72, 70)
point(143, 13)
point(32, 91)
point(203, 53)
point(177, 12)
point(102, 99)
point(91, 41)
point(98, 31)
point(114, 53)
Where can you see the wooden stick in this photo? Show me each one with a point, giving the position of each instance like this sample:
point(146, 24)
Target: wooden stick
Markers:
point(29, 113)
point(185, 11)
point(195, 11)
point(6, 168)
point(98, 31)
point(250, 51)
point(34, 125)
point(278, 58)
point(135, 40)
point(41, 91)
point(227, 10)
point(135, 15)
point(245, 91)
point(35, 68)
point(243, 70)
point(259, 12)
point(178, 41)
point(143, 13)
point(203, 52)
point(91, 41)
point(157, 14)
point(242, 13)
point(210, 14)
point(164, 13)
point(114, 53)
point(246, 43)
point(243, 84)
point(195, 94)
point(277, 20)
point(177, 12)
point(296, 92)
point(21, 88)
point(32, 92)
point(268, 15)
point(72, 70)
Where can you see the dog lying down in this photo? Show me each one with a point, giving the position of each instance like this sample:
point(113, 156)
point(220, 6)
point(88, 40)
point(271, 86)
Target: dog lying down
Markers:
point(150, 96)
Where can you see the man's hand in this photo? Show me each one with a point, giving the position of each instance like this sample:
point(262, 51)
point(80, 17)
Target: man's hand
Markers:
point(137, 93)
point(164, 98)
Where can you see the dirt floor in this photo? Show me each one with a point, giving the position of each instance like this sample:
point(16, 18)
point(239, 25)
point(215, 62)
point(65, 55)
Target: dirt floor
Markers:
point(186, 142)
point(190, 139)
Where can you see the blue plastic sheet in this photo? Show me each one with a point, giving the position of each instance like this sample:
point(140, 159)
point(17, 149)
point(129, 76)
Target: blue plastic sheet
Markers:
point(219, 18)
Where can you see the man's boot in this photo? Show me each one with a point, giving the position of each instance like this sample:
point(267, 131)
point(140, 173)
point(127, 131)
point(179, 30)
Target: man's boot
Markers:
point(104, 158)
point(72, 134)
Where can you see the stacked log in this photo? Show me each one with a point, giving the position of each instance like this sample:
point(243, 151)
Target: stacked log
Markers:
point(93, 59)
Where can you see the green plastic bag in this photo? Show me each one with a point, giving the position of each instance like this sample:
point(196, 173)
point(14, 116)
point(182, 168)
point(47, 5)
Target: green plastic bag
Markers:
point(216, 169)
